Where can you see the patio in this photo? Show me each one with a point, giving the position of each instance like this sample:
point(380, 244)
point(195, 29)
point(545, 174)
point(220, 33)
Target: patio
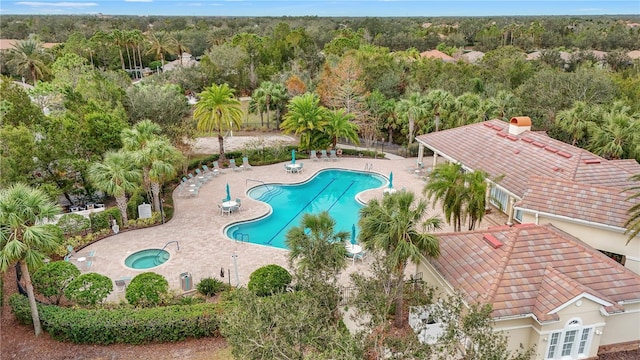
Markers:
point(198, 227)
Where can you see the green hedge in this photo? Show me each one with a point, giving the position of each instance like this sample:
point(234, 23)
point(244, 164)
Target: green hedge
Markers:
point(122, 325)
point(100, 220)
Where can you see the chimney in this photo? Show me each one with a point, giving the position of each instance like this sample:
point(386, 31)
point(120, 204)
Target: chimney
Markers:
point(519, 124)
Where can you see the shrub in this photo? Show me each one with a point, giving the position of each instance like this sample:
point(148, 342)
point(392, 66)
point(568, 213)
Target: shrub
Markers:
point(121, 325)
point(269, 279)
point(210, 286)
point(89, 289)
point(147, 289)
point(72, 224)
point(136, 199)
point(101, 220)
point(53, 278)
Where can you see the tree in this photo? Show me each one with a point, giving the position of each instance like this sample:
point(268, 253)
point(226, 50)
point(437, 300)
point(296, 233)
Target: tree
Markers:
point(414, 108)
point(618, 137)
point(305, 118)
point(29, 59)
point(24, 235)
point(147, 290)
point(339, 125)
point(264, 95)
point(316, 250)
point(391, 226)
point(116, 176)
point(53, 278)
point(633, 222)
point(439, 101)
point(577, 120)
point(165, 105)
point(160, 44)
point(177, 40)
point(217, 110)
point(89, 289)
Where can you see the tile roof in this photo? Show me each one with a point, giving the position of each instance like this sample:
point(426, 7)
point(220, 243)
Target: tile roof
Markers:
point(437, 54)
point(489, 146)
point(538, 269)
point(598, 204)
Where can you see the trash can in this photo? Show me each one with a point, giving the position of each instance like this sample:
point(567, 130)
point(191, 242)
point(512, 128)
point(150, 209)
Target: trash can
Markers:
point(185, 281)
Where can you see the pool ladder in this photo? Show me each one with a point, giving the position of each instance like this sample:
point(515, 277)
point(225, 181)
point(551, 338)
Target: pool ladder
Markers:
point(165, 245)
point(368, 167)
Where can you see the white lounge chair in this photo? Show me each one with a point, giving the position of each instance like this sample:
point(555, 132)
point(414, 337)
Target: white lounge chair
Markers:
point(313, 156)
point(217, 167)
point(232, 165)
point(245, 163)
point(333, 156)
point(323, 155)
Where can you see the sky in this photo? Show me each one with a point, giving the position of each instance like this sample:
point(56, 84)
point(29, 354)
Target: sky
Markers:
point(379, 8)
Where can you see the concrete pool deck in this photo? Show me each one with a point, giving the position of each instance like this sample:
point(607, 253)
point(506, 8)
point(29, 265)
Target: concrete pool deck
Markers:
point(197, 226)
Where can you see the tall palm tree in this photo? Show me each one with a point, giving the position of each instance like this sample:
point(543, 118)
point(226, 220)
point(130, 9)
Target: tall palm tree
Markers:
point(218, 110)
point(135, 140)
point(28, 58)
point(447, 185)
point(116, 176)
point(163, 157)
point(339, 125)
point(178, 41)
point(306, 118)
point(392, 226)
point(160, 44)
point(263, 95)
point(577, 120)
point(414, 108)
point(633, 223)
point(476, 186)
point(23, 235)
point(316, 248)
point(439, 101)
point(118, 39)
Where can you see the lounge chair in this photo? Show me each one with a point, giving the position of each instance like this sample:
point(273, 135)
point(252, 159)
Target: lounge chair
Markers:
point(333, 156)
point(323, 155)
point(201, 176)
point(232, 165)
point(217, 167)
point(245, 164)
point(313, 156)
point(209, 171)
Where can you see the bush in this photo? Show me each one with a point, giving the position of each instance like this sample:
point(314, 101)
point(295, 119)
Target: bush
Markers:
point(269, 279)
point(72, 224)
point(53, 278)
point(89, 289)
point(210, 286)
point(122, 325)
point(101, 220)
point(147, 289)
point(136, 199)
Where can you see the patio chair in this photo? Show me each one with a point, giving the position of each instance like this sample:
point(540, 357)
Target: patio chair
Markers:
point(209, 171)
point(323, 155)
point(287, 168)
point(245, 163)
point(232, 165)
point(333, 156)
point(121, 284)
point(224, 210)
point(201, 176)
point(239, 201)
point(217, 167)
point(313, 156)
point(71, 253)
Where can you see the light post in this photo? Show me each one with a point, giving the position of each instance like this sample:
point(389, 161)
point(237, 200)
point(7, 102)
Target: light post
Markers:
point(382, 146)
point(161, 210)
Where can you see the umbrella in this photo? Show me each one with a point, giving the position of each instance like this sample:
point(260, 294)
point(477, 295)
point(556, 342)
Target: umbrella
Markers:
point(293, 156)
point(391, 180)
point(353, 234)
point(228, 193)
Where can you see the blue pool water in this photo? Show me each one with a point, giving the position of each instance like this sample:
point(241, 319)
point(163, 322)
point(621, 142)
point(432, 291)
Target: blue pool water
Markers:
point(332, 190)
point(146, 259)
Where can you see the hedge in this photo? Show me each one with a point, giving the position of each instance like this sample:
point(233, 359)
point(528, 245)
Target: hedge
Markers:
point(122, 325)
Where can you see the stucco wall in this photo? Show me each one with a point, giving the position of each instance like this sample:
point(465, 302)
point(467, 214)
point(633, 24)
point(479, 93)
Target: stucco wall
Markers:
point(622, 327)
point(598, 238)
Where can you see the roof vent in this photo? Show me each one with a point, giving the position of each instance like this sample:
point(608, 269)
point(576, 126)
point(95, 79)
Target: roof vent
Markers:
point(519, 124)
point(564, 154)
point(492, 240)
point(551, 149)
point(591, 161)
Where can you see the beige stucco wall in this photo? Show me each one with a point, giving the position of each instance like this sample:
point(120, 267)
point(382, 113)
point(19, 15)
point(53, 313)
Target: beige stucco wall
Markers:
point(622, 327)
point(599, 238)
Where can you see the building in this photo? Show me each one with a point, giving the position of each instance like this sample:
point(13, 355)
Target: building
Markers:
point(537, 179)
point(548, 289)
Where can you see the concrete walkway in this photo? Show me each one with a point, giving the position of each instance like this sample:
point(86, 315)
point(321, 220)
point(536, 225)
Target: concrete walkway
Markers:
point(198, 226)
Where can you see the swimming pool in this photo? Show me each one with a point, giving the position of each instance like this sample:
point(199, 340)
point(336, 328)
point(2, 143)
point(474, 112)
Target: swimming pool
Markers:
point(333, 190)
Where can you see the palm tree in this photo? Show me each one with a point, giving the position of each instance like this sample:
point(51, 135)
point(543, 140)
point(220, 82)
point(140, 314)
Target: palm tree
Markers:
point(23, 235)
point(160, 43)
point(339, 125)
point(177, 40)
point(476, 186)
point(391, 226)
point(306, 118)
point(263, 96)
point(28, 58)
point(163, 157)
point(633, 223)
point(502, 104)
point(618, 137)
point(316, 248)
point(414, 108)
point(116, 177)
point(118, 39)
point(447, 185)
point(218, 110)
point(135, 141)
point(439, 101)
point(577, 120)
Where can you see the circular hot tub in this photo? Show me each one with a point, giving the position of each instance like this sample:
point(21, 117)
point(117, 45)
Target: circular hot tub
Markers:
point(147, 259)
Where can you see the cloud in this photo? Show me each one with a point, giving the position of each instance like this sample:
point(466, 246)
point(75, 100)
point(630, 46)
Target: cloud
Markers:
point(138, 0)
point(57, 4)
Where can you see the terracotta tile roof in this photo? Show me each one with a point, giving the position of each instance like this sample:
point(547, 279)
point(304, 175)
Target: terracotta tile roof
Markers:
point(599, 204)
point(489, 146)
point(437, 54)
point(538, 269)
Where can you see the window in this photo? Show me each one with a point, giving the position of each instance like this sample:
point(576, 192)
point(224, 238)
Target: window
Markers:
point(573, 342)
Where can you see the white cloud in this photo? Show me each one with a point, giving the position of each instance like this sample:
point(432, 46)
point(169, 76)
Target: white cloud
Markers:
point(57, 4)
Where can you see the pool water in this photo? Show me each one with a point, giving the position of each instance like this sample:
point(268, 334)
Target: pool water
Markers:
point(330, 190)
point(146, 259)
